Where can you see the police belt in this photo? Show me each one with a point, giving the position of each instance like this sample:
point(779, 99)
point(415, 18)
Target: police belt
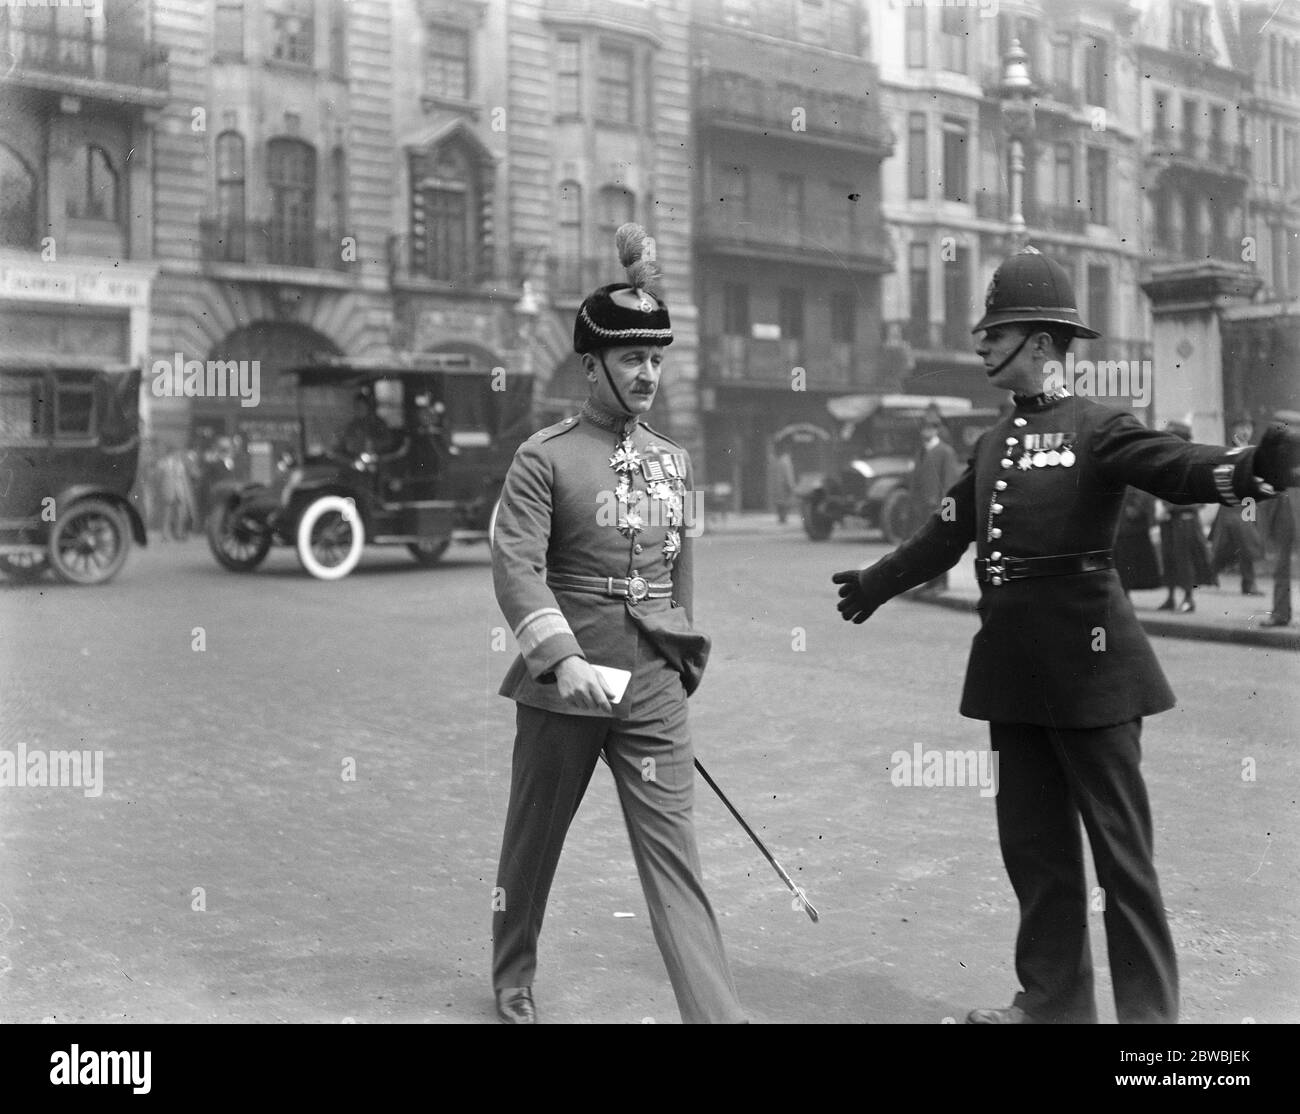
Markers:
point(1020, 568)
point(633, 588)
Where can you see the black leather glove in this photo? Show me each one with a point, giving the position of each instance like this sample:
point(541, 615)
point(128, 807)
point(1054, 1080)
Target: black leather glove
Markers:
point(853, 601)
point(1277, 457)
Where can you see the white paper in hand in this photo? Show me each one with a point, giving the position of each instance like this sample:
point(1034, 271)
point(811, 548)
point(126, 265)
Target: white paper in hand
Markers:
point(613, 681)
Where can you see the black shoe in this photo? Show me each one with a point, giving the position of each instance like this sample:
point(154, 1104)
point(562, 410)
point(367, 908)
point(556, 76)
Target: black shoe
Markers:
point(1186, 606)
point(1274, 621)
point(1168, 605)
point(515, 1005)
point(1012, 1015)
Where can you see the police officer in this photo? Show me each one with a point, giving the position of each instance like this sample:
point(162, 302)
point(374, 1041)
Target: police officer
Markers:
point(1060, 667)
point(591, 561)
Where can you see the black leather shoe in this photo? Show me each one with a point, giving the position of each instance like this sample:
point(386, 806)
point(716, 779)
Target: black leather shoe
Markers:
point(515, 1005)
point(1012, 1015)
point(1274, 621)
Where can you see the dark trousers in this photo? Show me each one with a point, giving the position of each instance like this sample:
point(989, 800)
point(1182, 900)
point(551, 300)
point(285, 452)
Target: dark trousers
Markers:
point(1284, 534)
point(652, 761)
point(1047, 780)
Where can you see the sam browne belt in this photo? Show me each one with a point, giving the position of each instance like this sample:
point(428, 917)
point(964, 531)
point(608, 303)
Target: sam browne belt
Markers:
point(633, 588)
point(1019, 568)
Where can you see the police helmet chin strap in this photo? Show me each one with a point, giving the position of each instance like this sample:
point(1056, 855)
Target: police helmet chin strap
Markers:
point(1014, 353)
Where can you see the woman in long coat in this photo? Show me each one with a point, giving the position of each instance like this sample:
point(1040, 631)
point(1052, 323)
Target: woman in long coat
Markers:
point(1183, 549)
point(1135, 556)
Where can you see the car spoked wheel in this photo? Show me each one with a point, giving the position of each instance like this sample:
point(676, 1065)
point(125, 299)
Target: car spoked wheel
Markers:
point(330, 537)
point(24, 568)
point(89, 542)
point(238, 542)
point(429, 554)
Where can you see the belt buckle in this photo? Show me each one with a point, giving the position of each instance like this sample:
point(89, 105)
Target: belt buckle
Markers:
point(995, 574)
point(638, 588)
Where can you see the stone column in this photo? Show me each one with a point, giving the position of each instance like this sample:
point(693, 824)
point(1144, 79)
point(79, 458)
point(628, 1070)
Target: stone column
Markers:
point(1187, 300)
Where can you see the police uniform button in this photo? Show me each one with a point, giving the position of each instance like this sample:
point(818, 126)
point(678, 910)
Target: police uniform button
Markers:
point(997, 531)
point(1013, 441)
point(996, 555)
point(1007, 462)
point(1021, 422)
point(637, 548)
point(996, 581)
point(1001, 485)
point(996, 508)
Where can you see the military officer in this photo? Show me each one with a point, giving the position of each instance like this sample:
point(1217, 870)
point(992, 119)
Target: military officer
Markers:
point(591, 561)
point(1060, 667)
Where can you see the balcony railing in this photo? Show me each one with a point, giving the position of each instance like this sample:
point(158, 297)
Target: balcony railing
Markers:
point(574, 277)
point(828, 365)
point(408, 263)
point(83, 63)
point(739, 99)
point(1065, 218)
point(271, 243)
point(953, 335)
point(1211, 154)
point(729, 224)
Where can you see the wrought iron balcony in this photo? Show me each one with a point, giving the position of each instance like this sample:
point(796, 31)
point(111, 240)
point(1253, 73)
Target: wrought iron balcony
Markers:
point(828, 365)
point(788, 234)
point(1203, 154)
point(748, 103)
point(412, 262)
point(109, 67)
point(271, 243)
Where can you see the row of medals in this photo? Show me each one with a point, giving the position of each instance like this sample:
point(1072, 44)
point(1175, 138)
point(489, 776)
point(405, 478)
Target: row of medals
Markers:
point(1053, 452)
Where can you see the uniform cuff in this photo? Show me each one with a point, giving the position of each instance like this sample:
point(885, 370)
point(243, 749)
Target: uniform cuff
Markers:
point(545, 639)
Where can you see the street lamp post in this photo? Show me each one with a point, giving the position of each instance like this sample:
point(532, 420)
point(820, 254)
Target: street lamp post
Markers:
point(1017, 89)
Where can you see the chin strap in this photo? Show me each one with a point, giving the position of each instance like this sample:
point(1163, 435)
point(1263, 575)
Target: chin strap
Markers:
point(627, 410)
point(1014, 353)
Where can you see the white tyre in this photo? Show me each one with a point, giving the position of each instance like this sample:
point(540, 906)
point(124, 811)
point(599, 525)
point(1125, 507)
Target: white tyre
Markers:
point(330, 537)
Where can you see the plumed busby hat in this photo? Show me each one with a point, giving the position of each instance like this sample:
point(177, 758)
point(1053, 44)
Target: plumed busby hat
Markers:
point(625, 313)
point(1030, 289)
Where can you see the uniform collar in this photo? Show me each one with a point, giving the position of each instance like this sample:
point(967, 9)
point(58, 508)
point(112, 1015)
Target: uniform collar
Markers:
point(603, 419)
point(1034, 404)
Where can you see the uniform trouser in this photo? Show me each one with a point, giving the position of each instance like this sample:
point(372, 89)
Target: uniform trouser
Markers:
point(652, 762)
point(1047, 779)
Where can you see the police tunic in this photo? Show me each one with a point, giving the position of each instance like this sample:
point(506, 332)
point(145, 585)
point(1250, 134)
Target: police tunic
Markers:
point(1063, 651)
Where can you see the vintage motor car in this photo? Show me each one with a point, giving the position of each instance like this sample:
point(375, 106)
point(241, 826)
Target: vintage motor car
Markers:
point(409, 452)
point(873, 457)
point(69, 447)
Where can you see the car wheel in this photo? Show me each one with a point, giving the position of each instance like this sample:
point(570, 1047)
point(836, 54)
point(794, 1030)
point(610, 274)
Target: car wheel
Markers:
point(24, 568)
point(896, 516)
point(429, 553)
point(330, 537)
point(239, 543)
point(817, 524)
point(89, 542)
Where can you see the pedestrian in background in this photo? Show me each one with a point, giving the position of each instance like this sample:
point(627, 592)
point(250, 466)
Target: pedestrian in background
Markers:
point(1135, 555)
point(1284, 528)
point(1235, 536)
point(1184, 555)
point(175, 494)
point(935, 470)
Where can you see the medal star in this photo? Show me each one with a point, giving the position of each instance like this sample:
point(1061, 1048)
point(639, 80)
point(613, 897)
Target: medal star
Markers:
point(1025, 463)
point(625, 458)
point(672, 545)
